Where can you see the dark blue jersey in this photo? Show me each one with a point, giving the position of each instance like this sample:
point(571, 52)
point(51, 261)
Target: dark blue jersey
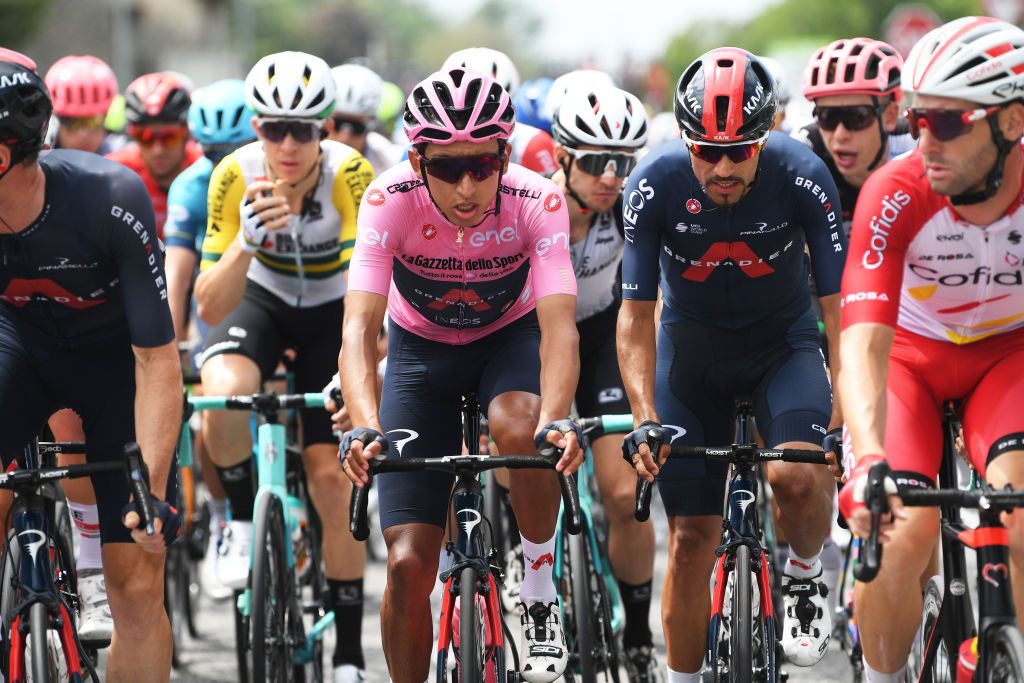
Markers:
point(90, 267)
point(731, 267)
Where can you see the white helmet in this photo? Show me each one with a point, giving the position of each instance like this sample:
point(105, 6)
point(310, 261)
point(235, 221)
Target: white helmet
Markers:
point(290, 84)
point(600, 115)
point(590, 77)
point(663, 127)
point(359, 90)
point(978, 59)
point(493, 63)
point(781, 86)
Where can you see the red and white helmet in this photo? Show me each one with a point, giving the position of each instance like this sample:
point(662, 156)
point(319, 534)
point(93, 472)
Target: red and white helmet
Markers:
point(159, 97)
point(978, 59)
point(458, 105)
point(81, 86)
point(854, 66)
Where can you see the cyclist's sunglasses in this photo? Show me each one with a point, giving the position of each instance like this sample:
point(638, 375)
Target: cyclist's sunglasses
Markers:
point(350, 126)
point(853, 117)
point(77, 123)
point(216, 152)
point(599, 163)
point(480, 167)
point(737, 154)
point(301, 130)
point(946, 124)
point(147, 136)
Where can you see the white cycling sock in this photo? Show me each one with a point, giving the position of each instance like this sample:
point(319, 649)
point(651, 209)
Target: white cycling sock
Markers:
point(538, 563)
point(803, 567)
point(872, 676)
point(680, 677)
point(86, 521)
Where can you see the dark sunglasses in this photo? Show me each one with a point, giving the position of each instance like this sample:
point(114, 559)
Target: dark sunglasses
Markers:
point(302, 131)
point(216, 152)
point(853, 118)
point(599, 163)
point(77, 123)
point(165, 137)
point(737, 154)
point(946, 124)
point(451, 169)
point(350, 126)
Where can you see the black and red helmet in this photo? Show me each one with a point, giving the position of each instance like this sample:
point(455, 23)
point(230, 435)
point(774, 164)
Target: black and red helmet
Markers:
point(25, 105)
point(726, 96)
point(160, 97)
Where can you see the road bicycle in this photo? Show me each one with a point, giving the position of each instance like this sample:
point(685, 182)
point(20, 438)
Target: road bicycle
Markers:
point(743, 642)
point(471, 627)
point(272, 641)
point(947, 615)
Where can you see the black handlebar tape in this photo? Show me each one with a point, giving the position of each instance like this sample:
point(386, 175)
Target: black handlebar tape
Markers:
point(877, 502)
point(358, 524)
point(138, 479)
point(571, 500)
point(642, 511)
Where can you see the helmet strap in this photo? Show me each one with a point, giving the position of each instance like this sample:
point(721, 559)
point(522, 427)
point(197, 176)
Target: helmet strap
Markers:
point(883, 135)
point(567, 168)
point(994, 179)
point(496, 211)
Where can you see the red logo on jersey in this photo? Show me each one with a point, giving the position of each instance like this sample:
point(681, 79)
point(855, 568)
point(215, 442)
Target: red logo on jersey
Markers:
point(457, 296)
point(429, 232)
point(375, 198)
point(739, 253)
point(693, 206)
point(545, 559)
point(1012, 259)
point(552, 203)
point(21, 291)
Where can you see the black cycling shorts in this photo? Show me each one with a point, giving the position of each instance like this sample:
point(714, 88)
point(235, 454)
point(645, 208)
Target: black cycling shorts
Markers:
point(97, 381)
point(600, 390)
point(420, 407)
point(262, 326)
point(702, 370)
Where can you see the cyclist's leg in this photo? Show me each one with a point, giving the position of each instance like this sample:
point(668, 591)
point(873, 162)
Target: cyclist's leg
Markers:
point(994, 434)
point(420, 412)
point(889, 608)
point(630, 543)
point(317, 335)
point(692, 490)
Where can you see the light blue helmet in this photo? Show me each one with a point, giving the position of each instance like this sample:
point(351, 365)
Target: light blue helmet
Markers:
point(219, 115)
point(529, 103)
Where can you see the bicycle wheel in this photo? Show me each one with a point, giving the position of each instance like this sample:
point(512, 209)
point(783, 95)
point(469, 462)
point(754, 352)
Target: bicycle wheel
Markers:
point(243, 649)
point(741, 631)
point(42, 666)
point(470, 623)
point(176, 587)
point(943, 667)
point(270, 626)
point(1005, 658)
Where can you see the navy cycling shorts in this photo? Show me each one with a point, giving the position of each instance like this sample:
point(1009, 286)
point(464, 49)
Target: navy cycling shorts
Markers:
point(421, 407)
point(97, 381)
point(702, 370)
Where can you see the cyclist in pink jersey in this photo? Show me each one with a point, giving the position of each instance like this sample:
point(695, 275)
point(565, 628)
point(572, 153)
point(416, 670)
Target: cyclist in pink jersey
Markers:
point(933, 309)
point(470, 255)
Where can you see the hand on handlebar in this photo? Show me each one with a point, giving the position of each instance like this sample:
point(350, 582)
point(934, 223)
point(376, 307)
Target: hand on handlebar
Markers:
point(166, 525)
point(640, 446)
point(357, 448)
point(565, 436)
point(852, 501)
point(832, 444)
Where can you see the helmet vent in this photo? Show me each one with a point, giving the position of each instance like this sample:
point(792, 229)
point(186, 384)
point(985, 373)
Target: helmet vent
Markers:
point(721, 111)
point(605, 128)
point(857, 49)
point(830, 73)
point(457, 75)
point(486, 131)
point(725, 63)
point(315, 101)
point(625, 129)
point(237, 117)
point(220, 118)
point(850, 72)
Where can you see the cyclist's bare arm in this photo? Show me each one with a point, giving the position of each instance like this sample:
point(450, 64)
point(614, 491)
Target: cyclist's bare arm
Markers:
point(830, 313)
point(220, 288)
point(636, 343)
point(157, 409)
point(357, 365)
point(864, 351)
point(559, 366)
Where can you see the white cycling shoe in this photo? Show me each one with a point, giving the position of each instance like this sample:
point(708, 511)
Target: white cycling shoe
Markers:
point(807, 625)
point(545, 655)
point(95, 624)
point(233, 555)
point(208, 579)
point(349, 673)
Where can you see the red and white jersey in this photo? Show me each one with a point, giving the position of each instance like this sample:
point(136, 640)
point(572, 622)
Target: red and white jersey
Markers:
point(914, 264)
point(534, 149)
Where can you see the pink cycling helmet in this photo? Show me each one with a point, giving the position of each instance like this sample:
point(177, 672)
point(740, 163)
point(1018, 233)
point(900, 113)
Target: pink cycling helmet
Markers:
point(81, 86)
point(854, 66)
point(458, 104)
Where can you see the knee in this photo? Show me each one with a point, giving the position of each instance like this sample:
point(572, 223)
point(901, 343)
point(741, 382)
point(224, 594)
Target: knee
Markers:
point(512, 419)
point(620, 501)
point(135, 597)
point(230, 374)
point(799, 484)
point(411, 574)
point(692, 545)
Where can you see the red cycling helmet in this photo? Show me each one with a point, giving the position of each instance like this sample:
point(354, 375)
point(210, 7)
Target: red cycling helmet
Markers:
point(81, 86)
point(854, 66)
point(726, 96)
point(159, 97)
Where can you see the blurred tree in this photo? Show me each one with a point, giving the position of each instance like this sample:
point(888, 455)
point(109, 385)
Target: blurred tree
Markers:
point(21, 18)
point(803, 20)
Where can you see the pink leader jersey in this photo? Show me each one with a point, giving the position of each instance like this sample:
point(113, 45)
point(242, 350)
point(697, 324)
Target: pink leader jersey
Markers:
point(454, 290)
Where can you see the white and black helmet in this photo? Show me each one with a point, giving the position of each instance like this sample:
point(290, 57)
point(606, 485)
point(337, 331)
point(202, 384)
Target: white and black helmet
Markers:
point(290, 85)
point(359, 90)
point(600, 115)
point(493, 63)
point(978, 59)
point(591, 77)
